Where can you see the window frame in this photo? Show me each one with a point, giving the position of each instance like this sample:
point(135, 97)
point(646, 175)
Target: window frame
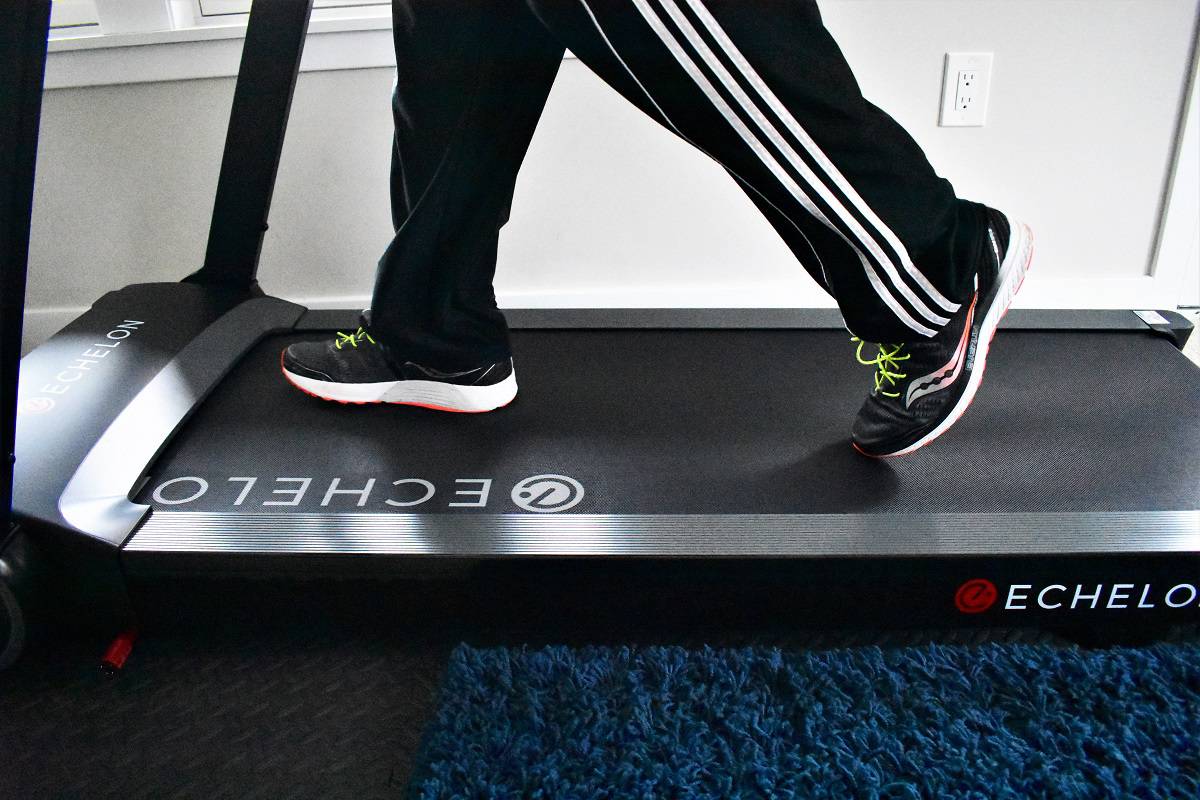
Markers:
point(71, 15)
point(216, 8)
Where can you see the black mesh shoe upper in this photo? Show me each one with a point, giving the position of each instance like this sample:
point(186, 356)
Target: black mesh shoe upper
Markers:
point(359, 358)
point(920, 382)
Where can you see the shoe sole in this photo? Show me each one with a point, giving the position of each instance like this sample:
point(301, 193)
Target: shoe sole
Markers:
point(1011, 278)
point(424, 394)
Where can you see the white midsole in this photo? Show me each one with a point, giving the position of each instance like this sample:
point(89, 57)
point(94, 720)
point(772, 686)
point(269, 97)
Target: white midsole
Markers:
point(1012, 271)
point(425, 393)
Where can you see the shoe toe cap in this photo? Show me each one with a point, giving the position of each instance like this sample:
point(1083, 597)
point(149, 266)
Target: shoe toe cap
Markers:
point(306, 359)
point(884, 426)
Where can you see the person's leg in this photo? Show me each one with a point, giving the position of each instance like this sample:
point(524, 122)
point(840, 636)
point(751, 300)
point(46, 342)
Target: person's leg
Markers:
point(473, 78)
point(762, 87)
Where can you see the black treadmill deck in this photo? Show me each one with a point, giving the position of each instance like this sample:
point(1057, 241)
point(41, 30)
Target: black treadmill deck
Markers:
point(665, 432)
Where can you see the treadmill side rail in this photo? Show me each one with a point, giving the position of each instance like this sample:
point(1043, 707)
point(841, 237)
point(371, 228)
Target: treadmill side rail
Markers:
point(101, 399)
point(713, 536)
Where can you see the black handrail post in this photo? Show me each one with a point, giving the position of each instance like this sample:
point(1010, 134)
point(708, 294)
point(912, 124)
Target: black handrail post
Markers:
point(257, 122)
point(24, 28)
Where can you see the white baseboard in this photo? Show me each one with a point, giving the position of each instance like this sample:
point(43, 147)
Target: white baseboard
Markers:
point(1137, 292)
point(1140, 292)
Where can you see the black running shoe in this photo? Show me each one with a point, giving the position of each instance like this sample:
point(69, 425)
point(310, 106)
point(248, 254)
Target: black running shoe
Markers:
point(923, 387)
point(353, 368)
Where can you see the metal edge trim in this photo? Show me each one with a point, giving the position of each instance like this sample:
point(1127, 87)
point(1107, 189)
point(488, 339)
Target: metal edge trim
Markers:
point(740, 318)
point(669, 535)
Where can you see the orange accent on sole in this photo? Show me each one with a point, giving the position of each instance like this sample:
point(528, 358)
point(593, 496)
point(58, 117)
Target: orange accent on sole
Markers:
point(982, 373)
point(288, 378)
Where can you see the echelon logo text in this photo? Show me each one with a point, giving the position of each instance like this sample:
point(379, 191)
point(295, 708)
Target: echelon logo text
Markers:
point(540, 494)
point(979, 595)
point(79, 368)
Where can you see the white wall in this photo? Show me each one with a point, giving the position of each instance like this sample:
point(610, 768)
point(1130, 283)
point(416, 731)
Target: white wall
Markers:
point(611, 210)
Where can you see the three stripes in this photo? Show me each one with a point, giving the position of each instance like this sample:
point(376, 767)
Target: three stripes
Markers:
point(877, 246)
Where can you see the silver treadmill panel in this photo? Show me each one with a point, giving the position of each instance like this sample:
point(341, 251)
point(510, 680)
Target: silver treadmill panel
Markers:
point(672, 536)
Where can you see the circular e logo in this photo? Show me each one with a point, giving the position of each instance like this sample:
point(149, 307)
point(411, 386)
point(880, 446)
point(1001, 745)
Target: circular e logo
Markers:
point(975, 596)
point(546, 494)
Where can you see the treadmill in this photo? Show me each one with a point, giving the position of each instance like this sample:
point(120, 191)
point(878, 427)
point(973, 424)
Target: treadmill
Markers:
point(156, 440)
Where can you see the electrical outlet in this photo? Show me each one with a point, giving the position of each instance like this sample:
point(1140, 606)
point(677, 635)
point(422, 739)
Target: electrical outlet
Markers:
point(968, 80)
point(965, 88)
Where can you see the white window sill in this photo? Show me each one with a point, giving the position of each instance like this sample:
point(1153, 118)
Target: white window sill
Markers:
point(232, 26)
point(84, 57)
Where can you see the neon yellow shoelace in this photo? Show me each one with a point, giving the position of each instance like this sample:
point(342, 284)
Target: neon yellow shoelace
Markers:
point(352, 339)
point(887, 364)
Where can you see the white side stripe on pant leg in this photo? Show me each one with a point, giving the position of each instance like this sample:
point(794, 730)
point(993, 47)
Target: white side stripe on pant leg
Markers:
point(755, 80)
point(814, 182)
point(749, 187)
point(776, 169)
point(645, 91)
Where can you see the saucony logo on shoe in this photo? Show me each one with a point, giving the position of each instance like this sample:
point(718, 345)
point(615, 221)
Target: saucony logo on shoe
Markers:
point(945, 377)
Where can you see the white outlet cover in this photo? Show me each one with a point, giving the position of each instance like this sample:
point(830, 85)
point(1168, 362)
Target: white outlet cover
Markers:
point(976, 116)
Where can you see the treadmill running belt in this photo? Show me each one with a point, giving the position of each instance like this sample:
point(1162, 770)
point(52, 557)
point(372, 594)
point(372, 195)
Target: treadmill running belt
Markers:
point(705, 422)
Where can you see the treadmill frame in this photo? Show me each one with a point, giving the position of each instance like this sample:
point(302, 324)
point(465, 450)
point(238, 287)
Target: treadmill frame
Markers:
point(23, 30)
point(177, 341)
point(262, 102)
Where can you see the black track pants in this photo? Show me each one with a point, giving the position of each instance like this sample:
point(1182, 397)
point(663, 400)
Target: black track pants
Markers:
point(758, 85)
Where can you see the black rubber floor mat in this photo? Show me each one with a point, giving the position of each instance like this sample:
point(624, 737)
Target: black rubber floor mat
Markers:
point(253, 689)
point(219, 716)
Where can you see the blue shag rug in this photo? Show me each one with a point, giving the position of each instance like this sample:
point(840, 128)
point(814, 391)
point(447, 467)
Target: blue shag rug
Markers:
point(996, 721)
